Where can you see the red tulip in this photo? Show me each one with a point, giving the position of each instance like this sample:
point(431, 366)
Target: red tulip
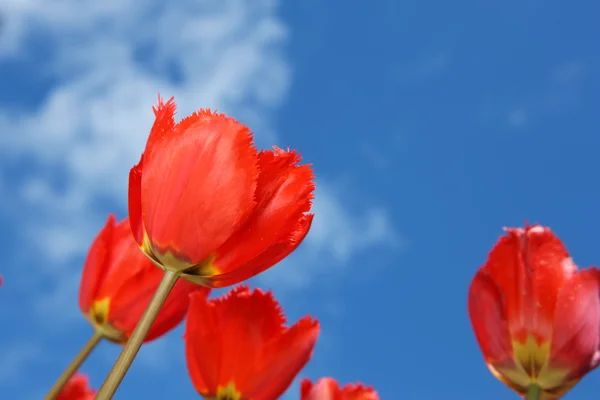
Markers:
point(77, 388)
point(118, 282)
point(204, 202)
point(328, 389)
point(238, 348)
point(535, 316)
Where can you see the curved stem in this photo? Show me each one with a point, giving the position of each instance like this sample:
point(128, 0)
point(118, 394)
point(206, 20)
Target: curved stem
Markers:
point(533, 392)
point(132, 347)
point(73, 366)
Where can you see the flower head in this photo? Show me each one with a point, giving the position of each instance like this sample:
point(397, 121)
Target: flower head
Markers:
point(118, 282)
point(237, 346)
point(329, 389)
point(204, 202)
point(77, 388)
point(535, 316)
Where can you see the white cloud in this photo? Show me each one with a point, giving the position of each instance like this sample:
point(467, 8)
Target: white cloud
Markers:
point(561, 93)
point(337, 234)
point(92, 127)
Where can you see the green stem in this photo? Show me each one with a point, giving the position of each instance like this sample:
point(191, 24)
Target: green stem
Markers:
point(533, 392)
point(73, 366)
point(132, 347)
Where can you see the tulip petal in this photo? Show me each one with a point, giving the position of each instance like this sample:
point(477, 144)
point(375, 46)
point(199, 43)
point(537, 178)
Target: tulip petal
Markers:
point(249, 319)
point(202, 347)
point(359, 392)
point(96, 267)
point(324, 388)
point(329, 389)
point(283, 359)
point(198, 183)
point(576, 337)
point(529, 266)
point(164, 123)
point(134, 295)
point(240, 340)
point(269, 257)
point(487, 312)
point(77, 388)
point(130, 270)
point(283, 194)
point(135, 202)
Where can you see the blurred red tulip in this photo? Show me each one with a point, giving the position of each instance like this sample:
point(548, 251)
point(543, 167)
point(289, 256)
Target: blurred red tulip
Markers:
point(204, 202)
point(328, 389)
point(238, 348)
point(77, 388)
point(535, 316)
point(118, 282)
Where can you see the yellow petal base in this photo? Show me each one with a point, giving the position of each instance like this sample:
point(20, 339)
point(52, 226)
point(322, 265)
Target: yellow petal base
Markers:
point(531, 367)
point(98, 317)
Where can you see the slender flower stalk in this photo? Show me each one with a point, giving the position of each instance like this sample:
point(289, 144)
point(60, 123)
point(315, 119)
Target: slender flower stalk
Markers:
point(73, 366)
point(135, 341)
point(533, 392)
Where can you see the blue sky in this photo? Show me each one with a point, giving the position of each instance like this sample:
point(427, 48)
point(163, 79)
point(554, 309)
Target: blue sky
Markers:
point(430, 124)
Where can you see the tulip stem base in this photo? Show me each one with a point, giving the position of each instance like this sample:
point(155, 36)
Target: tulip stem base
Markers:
point(73, 366)
point(533, 392)
point(132, 347)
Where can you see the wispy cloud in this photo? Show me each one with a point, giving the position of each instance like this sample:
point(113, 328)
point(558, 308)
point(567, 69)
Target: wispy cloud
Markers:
point(91, 128)
point(559, 94)
point(565, 84)
point(569, 73)
point(338, 234)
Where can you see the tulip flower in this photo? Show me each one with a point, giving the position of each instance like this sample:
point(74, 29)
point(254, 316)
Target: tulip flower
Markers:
point(205, 206)
point(237, 346)
point(117, 283)
point(536, 317)
point(77, 388)
point(329, 389)
point(203, 202)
